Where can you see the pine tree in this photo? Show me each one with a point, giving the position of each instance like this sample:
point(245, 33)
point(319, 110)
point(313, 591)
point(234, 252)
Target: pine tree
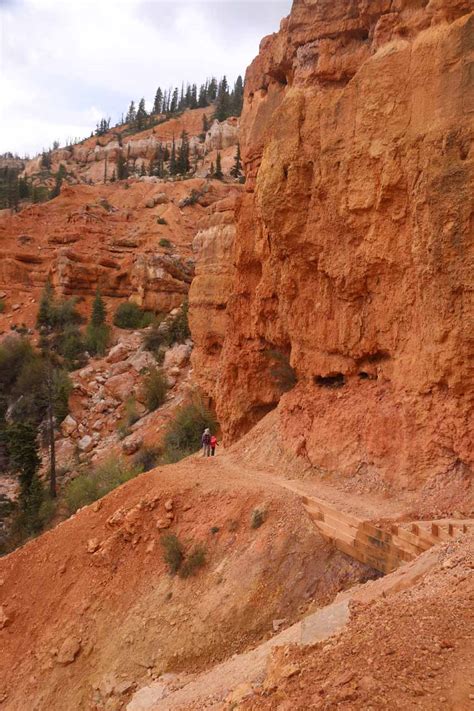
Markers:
point(237, 97)
point(98, 333)
point(193, 100)
point(46, 160)
point(236, 170)
point(158, 103)
point(173, 163)
point(202, 101)
point(183, 155)
point(174, 102)
point(218, 173)
point(182, 101)
point(45, 317)
point(141, 116)
point(98, 310)
point(24, 188)
point(212, 90)
point(131, 113)
point(122, 167)
point(25, 460)
point(59, 180)
point(223, 101)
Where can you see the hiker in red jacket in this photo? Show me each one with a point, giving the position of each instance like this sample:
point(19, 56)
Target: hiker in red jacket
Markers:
point(213, 445)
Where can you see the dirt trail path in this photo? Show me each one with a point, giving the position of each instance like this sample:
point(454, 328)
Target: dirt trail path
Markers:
point(367, 506)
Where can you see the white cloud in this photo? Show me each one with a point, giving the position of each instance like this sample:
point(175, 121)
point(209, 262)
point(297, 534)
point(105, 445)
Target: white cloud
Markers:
point(59, 57)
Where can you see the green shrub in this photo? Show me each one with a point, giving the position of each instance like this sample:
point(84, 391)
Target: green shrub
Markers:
point(192, 563)
point(130, 315)
point(64, 314)
point(131, 413)
point(183, 435)
point(97, 339)
point(161, 221)
point(165, 243)
point(97, 482)
point(123, 430)
point(192, 198)
point(2, 306)
point(129, 418)
point(71, 345)
point(154, 339)
point(164, 332)
point(155, 388)
point(147, 458)
point(173, 552)
point(178, 330)
point(258, 517)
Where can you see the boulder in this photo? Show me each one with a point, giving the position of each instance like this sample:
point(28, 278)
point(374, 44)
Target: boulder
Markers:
point(117, 353)
point(121, 386)
point(4, 618)
point(119, 368)
point(177, 356)
point(65, 452)
point(69, 650)
point(69, 425)
point(93, 545)
point(142, 361)
point(85, 444)
point(131, 444)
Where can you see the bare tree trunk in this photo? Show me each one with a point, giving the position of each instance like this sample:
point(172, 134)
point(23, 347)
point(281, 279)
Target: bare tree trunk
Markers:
point(52, 442)
point(52, 454)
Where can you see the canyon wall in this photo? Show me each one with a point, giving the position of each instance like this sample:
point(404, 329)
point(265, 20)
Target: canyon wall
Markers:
point(210, 289)
point(354, 240)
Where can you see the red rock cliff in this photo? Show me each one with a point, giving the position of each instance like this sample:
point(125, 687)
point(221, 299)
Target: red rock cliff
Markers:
point(354, 238)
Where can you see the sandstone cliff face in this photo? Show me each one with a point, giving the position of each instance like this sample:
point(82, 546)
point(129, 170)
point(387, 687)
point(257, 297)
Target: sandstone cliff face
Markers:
point(354, 238)
point(211, 287)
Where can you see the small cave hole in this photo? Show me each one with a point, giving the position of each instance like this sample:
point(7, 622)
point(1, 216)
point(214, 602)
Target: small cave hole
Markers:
point(330, 381)
point(377, 357)
point(285, 171)
point(364, 376)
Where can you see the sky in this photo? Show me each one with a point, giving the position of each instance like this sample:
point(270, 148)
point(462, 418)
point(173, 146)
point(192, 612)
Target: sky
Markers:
point(64, 64)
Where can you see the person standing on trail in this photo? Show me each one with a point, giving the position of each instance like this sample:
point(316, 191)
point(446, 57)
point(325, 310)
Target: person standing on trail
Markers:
point(213, 445)
point(206, 442)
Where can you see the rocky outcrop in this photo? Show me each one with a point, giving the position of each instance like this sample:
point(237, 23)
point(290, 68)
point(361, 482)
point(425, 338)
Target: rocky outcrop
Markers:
point(96, 158)
point(131, 240)
point(354, 237)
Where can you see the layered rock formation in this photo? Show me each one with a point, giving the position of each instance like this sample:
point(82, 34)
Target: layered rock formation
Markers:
point(132, 240)
point(96, 157)
point(354, 239)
